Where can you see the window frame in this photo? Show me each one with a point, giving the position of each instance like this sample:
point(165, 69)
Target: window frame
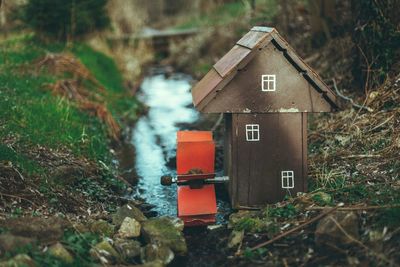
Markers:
point(287, 179)
point(252, 130)
point(267, 79)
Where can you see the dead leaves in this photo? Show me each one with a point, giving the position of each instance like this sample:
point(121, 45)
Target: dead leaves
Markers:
point(74, 89)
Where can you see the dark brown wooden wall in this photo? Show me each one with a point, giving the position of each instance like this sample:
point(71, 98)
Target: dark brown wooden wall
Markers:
point(255, 167)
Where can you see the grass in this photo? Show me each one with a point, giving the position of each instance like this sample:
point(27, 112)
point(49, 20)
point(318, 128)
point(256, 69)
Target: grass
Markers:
point(230, 12)
point(32, 117)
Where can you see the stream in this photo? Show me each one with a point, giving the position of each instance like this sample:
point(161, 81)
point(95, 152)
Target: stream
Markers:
point(154, 136)
point(151, 148)
point(170, 109)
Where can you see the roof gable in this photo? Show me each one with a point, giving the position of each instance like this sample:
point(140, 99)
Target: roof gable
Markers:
point(241, 54)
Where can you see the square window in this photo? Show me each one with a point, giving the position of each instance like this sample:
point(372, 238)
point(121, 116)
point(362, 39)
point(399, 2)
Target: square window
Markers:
point(287, 179)
point(252, 132)
point(268, 82)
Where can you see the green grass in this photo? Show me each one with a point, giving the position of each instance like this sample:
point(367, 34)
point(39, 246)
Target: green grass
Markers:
point(31, 115)
point(230, 12)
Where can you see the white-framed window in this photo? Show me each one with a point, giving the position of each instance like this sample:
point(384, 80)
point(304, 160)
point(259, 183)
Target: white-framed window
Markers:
point(287, 179)
point(268, 82)
point(252, 132)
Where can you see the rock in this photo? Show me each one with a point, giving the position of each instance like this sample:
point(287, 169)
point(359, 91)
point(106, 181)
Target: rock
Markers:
point(128, 249)
point(9, 243)
point(153, 252)
point(44, 230)
point(59, 251)
point(234, 218)
point(67, 174)
point(162, 231)
point(156, 263)
point(329, 233)
point(322, 198)
point(178, 223)
point(19, 260)
point(235, 238)
point(129, 228)
point(128, 210)
point(105, 252)
point(102, 227)
point(375, 240)
point(214, 227)
point(81, 228)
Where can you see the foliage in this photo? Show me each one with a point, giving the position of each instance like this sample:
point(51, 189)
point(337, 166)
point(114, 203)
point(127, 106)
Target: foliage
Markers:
point(377, 37)
point(65, 19)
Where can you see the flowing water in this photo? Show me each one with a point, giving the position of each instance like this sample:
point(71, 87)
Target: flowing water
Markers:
point(154, 138)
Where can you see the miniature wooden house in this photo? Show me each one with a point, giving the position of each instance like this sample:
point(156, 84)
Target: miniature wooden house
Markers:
point(265, 91)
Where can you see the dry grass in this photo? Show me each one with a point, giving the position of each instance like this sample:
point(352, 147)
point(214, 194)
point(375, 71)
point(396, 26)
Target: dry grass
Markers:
point(76, 90)
point(358, 143)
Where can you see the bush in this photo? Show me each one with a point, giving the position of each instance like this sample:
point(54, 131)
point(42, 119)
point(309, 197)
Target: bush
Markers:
point(66, 19)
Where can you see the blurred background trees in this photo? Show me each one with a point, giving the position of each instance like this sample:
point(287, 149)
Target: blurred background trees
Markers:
point(354, 41)
point(66, 19)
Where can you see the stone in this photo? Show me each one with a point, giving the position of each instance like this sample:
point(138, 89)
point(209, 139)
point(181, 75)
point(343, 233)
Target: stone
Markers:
point(128, 249)
point(128, 210)
point(153, 252)
point(102, 227)
point(19, 260)
point(9, 242)
point(235, 238)
point(322, 198)
point(59, 251)
point(67, 174)
point(156, 263)
point(105, 253)
point(234, 218)
point(46, 231)
point(329, 233)
point(162, 231)
point(129, 228)
point(81, 228)
point(177, 222)
point(375, 240)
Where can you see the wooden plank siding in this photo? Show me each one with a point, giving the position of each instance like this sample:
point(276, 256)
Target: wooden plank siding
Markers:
point(259, 163)
point(246, 49)
point(243, 93)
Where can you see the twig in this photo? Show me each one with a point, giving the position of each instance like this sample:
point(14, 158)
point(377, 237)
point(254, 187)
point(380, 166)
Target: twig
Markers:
point(20, 175)
point(358, 207)
point(356, 241)
point(362, 156)
point(348, 98)
point(218, 122)
point(316, 218)
point(22, 198)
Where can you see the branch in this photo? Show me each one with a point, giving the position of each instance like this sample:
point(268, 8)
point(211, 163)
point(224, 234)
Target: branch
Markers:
point(301, 226)
point(348, 98)
point(358, 208)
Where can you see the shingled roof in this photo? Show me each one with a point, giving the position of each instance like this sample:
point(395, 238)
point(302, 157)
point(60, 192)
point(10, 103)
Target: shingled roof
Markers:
point(241, 54)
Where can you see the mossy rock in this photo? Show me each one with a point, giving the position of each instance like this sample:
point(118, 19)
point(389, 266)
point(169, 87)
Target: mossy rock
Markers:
point(128, 249)
point(105, 253)
point(20, 260)
point(59, 251)
point(10, 243)
point(162, 231)
point(102, 227)
point(152, 252)
point(130, 211)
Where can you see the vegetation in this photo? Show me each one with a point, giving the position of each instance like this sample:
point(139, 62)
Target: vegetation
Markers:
point(66, 19)
point(38, 119)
